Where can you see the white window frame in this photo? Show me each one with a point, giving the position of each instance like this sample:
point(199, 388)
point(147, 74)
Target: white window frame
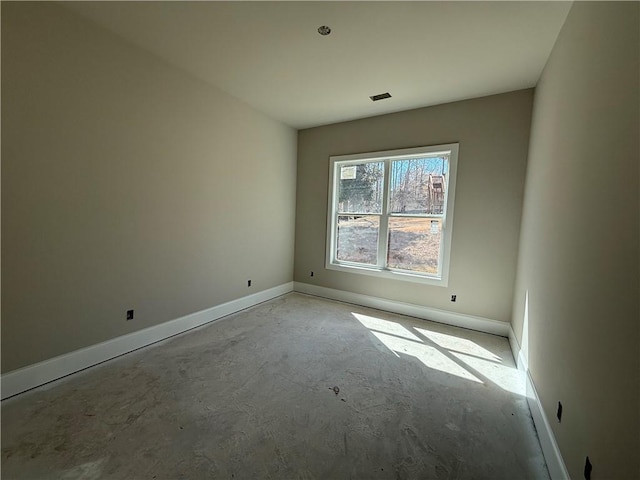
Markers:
point(332, 263)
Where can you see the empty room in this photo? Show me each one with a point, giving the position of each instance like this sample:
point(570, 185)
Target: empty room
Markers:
point(320, 240)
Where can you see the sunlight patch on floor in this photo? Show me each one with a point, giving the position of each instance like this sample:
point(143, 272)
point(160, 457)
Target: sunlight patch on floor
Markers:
point(429, 356)
point(458, 344)
point(400, 340)
point(385, 326)
point(446, 353)
point(85, 471)
point(507, 378)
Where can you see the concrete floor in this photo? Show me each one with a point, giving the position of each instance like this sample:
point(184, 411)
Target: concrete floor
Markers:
point(298, 387)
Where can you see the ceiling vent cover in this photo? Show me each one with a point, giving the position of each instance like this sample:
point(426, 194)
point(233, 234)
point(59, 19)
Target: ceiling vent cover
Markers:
point(380, 96)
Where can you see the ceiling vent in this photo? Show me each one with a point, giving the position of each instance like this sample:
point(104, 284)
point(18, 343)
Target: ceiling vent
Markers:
point(380, 96)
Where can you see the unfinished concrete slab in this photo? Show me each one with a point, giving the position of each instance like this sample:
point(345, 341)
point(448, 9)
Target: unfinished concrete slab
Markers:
point(297, 387)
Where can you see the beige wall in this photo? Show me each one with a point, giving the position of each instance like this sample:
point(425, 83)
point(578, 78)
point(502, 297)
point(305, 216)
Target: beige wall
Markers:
point(579, 243)
point(493, 133)
point(126, 184)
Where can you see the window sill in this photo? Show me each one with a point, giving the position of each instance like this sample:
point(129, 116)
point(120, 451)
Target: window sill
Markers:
point(387, 274)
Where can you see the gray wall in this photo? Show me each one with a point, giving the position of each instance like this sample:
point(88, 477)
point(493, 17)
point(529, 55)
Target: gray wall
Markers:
point(126, 184)
point(493, 133)
point(578, 259)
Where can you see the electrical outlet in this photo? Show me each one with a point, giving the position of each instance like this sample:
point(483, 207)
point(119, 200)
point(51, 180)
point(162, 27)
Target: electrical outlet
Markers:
point(453, 298)
point(559, 412)
point(248, 283)
point(129, 314)
point(587, 469)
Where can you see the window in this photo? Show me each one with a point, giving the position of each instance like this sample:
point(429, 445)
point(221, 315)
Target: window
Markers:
point(390, 213)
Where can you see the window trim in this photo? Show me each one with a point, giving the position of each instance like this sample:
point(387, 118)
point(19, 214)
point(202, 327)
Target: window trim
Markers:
point(447, 218)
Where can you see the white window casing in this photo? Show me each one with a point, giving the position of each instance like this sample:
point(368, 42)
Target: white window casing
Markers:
point(378, 264)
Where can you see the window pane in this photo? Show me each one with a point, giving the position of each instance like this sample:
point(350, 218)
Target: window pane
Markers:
point(414, 244)
point(360, 187)
point(418, 185)
point(358, 239)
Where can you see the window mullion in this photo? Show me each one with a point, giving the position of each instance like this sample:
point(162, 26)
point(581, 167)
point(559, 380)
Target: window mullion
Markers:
point(383, 234)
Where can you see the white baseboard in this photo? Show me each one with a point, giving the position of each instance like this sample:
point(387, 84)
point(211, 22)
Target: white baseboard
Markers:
point(550, 450)
point(518, 357)
point(471, 322)
point(38, 374)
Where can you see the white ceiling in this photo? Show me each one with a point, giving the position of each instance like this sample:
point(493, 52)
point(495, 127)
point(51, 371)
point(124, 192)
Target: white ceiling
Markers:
point(270, 55)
